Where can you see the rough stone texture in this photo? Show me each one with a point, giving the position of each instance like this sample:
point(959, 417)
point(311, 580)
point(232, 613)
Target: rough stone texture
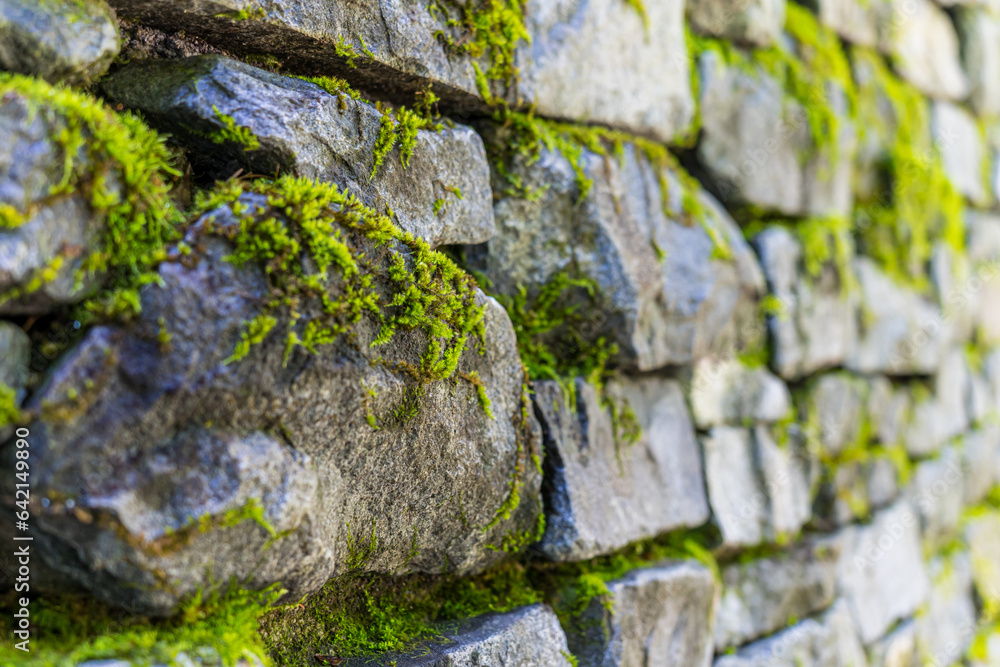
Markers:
point(829, 641)
point(854, 488)
point(659, 312)
point(71, 41)
point(900, 333)
point(896, 649)
point(160, 438)
point(602, 494)
point(936, 492)
point(857, 21)
point(525, 637)
point(660, 616)
point(754, 22)
point(567, 39)
point(725, 391)
point(922, 42)
point(948, 623)
point(888, 408)
point(940, 417)
point(15, 354)
point(817, 325)
point(963, 151)
point(880, 572)
point(757, 490)
point(758, 597)
point(979, 32)
point(31, 165)
point(304, 130)
point(983, 288)
point(982, 534)
point(641, 58)
point(979, 450)
point(834, 411)
point(955, 286)
point(753, 140)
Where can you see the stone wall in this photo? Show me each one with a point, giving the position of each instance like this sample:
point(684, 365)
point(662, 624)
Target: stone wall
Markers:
point(501, 332)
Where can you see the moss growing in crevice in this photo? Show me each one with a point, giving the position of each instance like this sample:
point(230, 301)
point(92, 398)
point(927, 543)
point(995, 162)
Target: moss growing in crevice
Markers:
point(484, 28)
point(825, 241)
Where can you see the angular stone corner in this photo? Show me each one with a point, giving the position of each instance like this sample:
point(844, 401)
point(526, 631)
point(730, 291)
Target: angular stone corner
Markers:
point(602, 492)
point(727, 392)
point(758, 490)
point(61, 41)
point(520, 638)
point(442, 194)
point(666, 292)
point(754, 138)
point(816, 326)
point(880, 573)
point(183, 466)
point(901, 333)
point(655, 613)
point(760, 596)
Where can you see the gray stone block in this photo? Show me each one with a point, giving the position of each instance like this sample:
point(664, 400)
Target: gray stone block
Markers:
point(755, 22)
point(937, 491)
point(963, 151)
point(728, 392)
point(947, 625)
point(982, 535)
point(922, 42)
point(442, 194)
point(979, 38)
point(602, 493)
point(71, 41)
point(896, 649)
point(658, 617)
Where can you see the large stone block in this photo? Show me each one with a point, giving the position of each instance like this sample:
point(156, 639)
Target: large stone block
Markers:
point(982, 534)
point(888, 409)
point(834, 412)
point(901, 333)
point(980, 452)
point(666, 293)
point(758, 147)
point(602, 492)
point(851, 490)
point(857, 21)
point(983, 286)
point(937, 492)
point(924, 48)
point(438, 187)
point(979, 33)
point(525, 637)
point(754, 22)
point(758, 491)
point(937, 418)
point(187, 465)
point(760, 596)
point(399, 47)
point(816, 326)
point(728, 392)
point(827, 641)
point(881, 572)
point(896, 649)
point(947, 625)
point(71, 41)
point(658, 617)
point(963, 150)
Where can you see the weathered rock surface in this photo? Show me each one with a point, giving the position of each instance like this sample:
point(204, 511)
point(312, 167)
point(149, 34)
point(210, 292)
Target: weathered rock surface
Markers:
point(829, 641)
point(441, 194)
point(924, 47)
point(939, 417)
point(525, 637)
point(638, 75)
point(979, 32)
point(727, 392)
point(982, 534)
point(15, 355)
point(760, 596)
point(56, 229)
point(852, 489)
point(888, 408)
point(937, 491)
point(754, 22)
point(947, 625)
point(660, 616)
point(601, 492)
point(169, 451)
point(753, 140)
point(983, 243)
point(955, 285)
point(395, 48)
point(963, 151)
point(659, 311)
point(880, 573)
point(857, 21)
point(980, 453)
point(900, 332)
point(758, 490)
point(896, 649)
point(71, 41)
point(816, 327)
point(834, 412)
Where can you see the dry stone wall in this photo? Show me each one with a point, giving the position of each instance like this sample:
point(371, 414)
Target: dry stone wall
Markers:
point(500, 332)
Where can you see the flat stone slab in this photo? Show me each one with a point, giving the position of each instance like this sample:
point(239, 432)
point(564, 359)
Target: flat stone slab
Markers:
point(937, 491)
point(603, 493)
point(728, 392)
point(924, 48)
point(755, 22)
point(61, 41)
point(441, 194)
point(964, 153)
point(760, 596)
point(659, 616)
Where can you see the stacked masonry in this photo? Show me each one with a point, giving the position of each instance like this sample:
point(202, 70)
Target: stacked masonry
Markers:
point(736, 304)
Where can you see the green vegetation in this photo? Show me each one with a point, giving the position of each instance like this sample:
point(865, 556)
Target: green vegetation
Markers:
point(230, 132)
point(74, 630)
point(10, 412)
point(484, 28)
point(400, 127)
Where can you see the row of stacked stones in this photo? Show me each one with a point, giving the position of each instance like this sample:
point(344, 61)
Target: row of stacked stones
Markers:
point(735, 275)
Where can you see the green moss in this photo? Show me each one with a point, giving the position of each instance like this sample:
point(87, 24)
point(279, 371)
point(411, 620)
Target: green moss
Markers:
point(824, 240)
point(484, 28)
point(140, 219)
point(10, 217)
point(68, 631)
point(233, 133)
point(399, 126)
point(10, 412)
point(248, 13)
